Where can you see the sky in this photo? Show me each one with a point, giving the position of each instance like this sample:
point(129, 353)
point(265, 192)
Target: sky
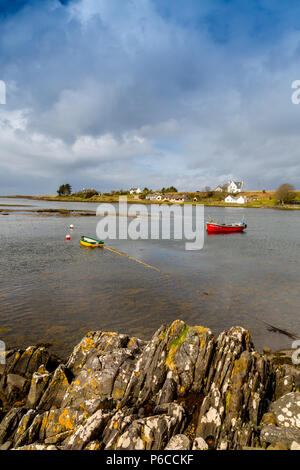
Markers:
point(109, 94)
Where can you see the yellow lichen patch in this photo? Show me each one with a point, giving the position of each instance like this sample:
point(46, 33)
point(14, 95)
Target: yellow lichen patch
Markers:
point(44, 420)
point(200, 329)
point(65, 421)
point(28, 352)
point(109, 340)
point(87, 345)
point(94, 383)
point(227, 401)
point(93, 446)
point(174, 325)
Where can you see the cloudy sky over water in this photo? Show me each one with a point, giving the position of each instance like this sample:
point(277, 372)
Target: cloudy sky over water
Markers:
point(115, 93)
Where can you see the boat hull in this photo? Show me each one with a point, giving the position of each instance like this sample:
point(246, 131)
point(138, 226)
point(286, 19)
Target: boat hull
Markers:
point(218, 228)
point(91, 242)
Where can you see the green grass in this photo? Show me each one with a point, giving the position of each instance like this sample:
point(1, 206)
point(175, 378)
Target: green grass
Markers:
point(174, 348)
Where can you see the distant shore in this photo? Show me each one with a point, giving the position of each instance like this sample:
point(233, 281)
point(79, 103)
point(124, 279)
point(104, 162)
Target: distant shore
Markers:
point(131, 200)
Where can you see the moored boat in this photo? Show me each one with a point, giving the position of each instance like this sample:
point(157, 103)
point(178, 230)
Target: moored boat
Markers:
point(214, 227)
point(91, 242)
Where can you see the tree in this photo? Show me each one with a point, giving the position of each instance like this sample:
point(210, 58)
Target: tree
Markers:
point(172, 189)
point(285, 193)
point(208, 192)
point(64, 190)
point(68, 189)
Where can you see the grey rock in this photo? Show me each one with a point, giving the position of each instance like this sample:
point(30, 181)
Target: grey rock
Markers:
point(37, 446)
point(179, 390)
point(88, 431)
point(287, 410)
point(236, 389)
point(179, 442)
point(118, 424)
point(55, 391)
point(25, 362)
point(6, 446)
point(273, 434)
point(295, 445)
point(105, 376)
point(39, 383)
point(20, 436)
point(97, 342)
point(199, 444)
point(152, 433)
point(278, 446)
point(9, 424)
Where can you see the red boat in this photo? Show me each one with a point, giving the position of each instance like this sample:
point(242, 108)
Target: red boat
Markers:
point(213, 227)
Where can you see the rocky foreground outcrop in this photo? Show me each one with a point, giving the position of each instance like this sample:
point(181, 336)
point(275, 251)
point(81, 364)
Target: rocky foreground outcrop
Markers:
point(184, 389)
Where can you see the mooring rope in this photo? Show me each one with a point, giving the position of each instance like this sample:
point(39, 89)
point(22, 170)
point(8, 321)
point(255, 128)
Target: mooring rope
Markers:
point(133, 259)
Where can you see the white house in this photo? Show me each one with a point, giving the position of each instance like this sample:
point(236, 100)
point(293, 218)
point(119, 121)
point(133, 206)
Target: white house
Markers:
point(235, 187)
point(221, 188)
point(135, 191)
point(235, 200)
point(176, 199)
point(151, 197)
point(232, 187)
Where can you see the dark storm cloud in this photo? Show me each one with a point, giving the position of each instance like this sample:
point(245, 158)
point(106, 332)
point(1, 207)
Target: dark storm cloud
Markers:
point(149, 92)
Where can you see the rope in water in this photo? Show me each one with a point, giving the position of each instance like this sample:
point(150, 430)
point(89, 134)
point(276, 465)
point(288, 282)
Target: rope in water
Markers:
point(133, 259)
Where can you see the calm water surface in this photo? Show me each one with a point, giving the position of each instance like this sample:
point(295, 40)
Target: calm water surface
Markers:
point(55, 291)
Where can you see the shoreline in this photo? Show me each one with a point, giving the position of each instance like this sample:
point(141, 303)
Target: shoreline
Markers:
point(198, 392)
point(115, 200)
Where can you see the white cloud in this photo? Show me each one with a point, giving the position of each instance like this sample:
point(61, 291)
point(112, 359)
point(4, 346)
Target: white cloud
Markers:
point(101, 85)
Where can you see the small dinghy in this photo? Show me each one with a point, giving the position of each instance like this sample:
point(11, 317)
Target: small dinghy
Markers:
point(91, 242)
point(214, 227)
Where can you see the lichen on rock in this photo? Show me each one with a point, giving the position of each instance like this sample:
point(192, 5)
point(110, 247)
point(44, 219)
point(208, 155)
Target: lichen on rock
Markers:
point(183, 389)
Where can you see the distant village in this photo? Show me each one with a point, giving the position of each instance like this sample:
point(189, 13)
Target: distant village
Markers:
point(230, 192)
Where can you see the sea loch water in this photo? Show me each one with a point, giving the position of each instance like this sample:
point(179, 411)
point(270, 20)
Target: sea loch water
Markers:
point(53, 290)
